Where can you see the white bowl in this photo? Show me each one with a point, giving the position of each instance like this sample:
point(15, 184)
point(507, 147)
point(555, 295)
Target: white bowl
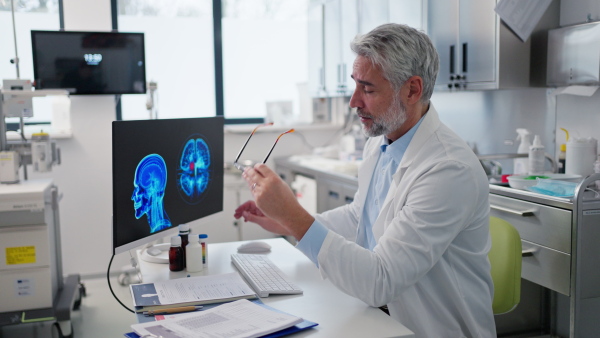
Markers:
point(524, 181)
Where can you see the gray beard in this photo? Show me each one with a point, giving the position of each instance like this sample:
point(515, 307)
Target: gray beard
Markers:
point(393, 118)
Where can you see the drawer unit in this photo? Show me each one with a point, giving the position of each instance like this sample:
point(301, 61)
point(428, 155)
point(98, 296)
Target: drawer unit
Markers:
point(547, 267)
point(541, 224)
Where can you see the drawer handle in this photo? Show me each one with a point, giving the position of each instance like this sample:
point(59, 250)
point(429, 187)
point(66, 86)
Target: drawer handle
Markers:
point(528, 253)
point(523, 213)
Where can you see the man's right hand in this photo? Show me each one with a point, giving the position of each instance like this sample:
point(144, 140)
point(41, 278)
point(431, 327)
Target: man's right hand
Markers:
point(251, 213)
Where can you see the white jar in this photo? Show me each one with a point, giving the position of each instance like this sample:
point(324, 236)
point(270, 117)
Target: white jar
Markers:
point(580, 157)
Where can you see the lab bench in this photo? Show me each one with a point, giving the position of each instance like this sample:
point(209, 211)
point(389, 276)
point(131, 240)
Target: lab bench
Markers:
point(560, 241)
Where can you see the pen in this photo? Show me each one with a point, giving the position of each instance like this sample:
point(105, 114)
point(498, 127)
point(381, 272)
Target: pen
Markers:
point(172, 310)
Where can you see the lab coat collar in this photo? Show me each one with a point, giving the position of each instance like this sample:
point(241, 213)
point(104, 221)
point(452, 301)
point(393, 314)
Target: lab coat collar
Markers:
point(430, 124)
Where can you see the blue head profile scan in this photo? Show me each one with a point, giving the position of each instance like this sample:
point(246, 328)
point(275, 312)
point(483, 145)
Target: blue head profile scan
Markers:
point(194, 173)
point(149, 191)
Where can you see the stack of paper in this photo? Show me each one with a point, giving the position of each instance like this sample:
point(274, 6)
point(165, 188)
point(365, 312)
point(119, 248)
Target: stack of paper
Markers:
point(190, 291)
point(238, 319)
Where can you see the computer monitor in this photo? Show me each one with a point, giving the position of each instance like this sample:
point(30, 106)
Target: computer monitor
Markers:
point(165, 173)
point(89, 62)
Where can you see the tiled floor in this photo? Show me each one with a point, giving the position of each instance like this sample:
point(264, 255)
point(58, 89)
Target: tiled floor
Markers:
point(99, 316)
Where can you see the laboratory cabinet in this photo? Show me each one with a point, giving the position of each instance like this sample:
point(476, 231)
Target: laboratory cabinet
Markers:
point(561, 256)
point(477, 51)
point(333, 189)
point(333, 24)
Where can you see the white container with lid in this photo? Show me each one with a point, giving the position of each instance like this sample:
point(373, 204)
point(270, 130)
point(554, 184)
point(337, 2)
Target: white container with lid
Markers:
point(581, 154)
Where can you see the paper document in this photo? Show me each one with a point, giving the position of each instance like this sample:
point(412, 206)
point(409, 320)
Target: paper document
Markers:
point(190, 291)
point(238, 319)
point(522, 16)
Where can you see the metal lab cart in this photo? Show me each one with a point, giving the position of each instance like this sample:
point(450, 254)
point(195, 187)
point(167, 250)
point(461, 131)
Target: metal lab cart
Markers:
point(561, 254)
point(31, 280)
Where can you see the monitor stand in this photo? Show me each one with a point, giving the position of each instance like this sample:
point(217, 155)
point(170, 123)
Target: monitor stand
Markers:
point(156, 253)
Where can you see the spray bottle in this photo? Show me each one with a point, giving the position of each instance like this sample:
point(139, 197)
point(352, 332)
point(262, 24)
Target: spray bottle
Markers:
point(521, 164)
point(536, 157)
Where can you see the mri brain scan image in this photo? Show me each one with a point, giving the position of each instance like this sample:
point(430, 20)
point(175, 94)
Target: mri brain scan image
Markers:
point(194, 170)
point(149, 185)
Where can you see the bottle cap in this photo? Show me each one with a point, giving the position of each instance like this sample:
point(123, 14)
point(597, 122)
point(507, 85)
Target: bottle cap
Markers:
point(193, 238)
point(203, 236)
point(175, 241)
point(184, 228)
point(563, 147)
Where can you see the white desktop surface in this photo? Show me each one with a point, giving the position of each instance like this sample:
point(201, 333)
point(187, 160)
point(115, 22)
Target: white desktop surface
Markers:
point(338, 314)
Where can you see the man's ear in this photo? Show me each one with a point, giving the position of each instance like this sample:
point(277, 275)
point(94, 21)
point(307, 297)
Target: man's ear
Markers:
point(414, 89)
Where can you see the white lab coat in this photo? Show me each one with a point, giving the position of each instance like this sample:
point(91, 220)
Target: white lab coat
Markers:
point(430, 263)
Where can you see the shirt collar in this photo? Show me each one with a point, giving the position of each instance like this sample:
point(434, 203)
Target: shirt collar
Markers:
point(397, 148)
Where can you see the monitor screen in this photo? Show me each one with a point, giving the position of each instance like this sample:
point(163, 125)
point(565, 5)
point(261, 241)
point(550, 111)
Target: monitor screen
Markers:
point(165, 173)
point(89, 62)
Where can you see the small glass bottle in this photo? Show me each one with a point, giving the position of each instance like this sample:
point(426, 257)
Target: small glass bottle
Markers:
point(203, 242)
point(193, 254)
point(184, 231)
point(176, 254)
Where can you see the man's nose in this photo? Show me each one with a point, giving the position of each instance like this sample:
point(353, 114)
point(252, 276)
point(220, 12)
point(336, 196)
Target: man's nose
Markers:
point(355, 100)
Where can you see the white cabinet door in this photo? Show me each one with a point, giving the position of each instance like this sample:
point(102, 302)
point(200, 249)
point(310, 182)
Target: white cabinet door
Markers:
point(477, 40)
point(316, 60)
point(442, 28)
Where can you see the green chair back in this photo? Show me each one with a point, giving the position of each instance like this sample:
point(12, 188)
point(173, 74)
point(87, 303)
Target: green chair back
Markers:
point(505, 259)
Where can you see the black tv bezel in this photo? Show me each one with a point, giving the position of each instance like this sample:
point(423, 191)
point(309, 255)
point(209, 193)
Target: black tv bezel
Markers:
point(61, 32)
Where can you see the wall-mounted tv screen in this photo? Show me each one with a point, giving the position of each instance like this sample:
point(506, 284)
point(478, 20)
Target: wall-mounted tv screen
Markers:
point(89, 62)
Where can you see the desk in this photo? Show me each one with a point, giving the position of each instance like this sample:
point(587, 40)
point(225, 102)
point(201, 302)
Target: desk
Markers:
point(338, 314)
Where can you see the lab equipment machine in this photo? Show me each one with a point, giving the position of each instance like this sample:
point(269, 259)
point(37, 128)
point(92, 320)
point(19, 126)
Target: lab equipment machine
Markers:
point(31, 277)
point(40, 151)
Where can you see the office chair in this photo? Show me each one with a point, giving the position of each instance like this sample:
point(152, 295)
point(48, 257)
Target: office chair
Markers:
point(505, 259)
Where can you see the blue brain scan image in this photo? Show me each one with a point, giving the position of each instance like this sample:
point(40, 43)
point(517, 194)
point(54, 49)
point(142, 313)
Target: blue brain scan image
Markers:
point(194, 170)
point(149, 191)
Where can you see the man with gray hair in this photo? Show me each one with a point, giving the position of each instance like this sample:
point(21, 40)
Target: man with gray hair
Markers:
point(416, 236)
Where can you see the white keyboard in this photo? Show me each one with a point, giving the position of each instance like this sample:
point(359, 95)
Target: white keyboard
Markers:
point(263, 276)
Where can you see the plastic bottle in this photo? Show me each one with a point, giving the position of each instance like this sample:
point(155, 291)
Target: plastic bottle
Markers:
point(203, 242)
point(562, 155)
point(597, 171)
point(536, 157)
point(521, 164)
point(193, 254)
point(562, 159)
point(175, 254)
point(184, 231)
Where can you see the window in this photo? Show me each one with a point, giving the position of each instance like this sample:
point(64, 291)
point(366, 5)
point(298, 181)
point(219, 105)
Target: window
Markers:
point(29, 15)
point(265, 57)
point(179, 56)
point(264, 48)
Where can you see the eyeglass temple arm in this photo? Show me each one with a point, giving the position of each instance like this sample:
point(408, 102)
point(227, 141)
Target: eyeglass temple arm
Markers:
point(248, 139)
point(274, 144)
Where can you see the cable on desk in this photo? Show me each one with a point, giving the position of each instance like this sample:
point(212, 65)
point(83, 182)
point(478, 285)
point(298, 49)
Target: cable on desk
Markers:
point(110, 286)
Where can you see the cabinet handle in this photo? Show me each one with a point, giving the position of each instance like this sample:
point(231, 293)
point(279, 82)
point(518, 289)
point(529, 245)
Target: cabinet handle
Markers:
point(528, 252)
point(451, 59)
point(349, 200)
point(334, 194)
point(523, 213)
point(464, 56)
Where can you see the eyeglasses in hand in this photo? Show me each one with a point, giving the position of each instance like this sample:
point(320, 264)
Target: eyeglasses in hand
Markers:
point(241, 166)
